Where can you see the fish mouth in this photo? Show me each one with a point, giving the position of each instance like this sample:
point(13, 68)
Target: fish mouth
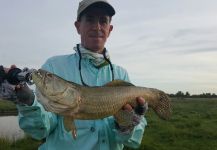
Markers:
point(38, 76)
point(43, 77)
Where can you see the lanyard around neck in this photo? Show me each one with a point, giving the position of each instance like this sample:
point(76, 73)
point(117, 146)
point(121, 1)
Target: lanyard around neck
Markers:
point(79, 67)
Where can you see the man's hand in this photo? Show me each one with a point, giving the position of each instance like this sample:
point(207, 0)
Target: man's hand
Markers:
point(24, 94)
point(128, 117)
point(20, 93)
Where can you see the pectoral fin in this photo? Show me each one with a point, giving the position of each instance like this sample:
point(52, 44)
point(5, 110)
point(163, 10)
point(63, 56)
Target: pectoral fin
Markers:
point(70, 125)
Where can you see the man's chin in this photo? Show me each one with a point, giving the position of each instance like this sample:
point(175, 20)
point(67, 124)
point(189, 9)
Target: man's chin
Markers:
point(96, 48)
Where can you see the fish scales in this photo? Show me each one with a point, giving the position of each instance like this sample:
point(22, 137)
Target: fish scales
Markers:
point(101, 99)
point(74, 101)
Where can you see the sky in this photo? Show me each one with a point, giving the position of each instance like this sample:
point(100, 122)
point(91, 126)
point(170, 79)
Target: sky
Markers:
point(170, 45)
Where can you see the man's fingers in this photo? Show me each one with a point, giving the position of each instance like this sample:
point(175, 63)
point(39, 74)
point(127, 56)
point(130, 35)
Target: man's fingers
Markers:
point(140, 100)
point(18, 87)
point(13, 66)
point(141, 107)
point(8, 69)
point(127, 107)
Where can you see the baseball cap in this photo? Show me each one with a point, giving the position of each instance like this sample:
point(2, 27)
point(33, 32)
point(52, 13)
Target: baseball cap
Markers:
point(84, 4)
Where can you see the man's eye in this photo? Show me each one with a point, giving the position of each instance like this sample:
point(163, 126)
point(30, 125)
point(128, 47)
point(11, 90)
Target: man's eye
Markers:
point(104, 21)
point(89, 19)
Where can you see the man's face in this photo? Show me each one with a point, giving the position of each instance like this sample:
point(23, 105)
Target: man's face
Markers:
point(94, 28)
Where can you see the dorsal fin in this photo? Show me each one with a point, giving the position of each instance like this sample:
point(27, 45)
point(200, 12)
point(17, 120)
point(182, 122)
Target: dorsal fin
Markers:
point(118, 83)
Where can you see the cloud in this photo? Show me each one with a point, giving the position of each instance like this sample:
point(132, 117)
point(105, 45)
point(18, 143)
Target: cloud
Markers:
point(168, 44)
point(197, 50)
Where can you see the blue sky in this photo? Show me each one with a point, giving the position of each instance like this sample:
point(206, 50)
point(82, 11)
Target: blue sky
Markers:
point(166, 44)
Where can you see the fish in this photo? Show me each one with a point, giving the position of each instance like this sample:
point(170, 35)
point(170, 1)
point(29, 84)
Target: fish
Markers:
point(74, 101)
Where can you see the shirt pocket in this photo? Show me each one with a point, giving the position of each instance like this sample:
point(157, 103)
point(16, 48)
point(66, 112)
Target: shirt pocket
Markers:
point(85, 127)
point(84, 124)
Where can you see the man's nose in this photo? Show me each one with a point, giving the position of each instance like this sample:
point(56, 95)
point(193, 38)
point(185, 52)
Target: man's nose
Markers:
point(96, 24)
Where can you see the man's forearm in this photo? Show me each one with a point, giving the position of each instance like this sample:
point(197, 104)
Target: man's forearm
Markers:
point(35, 121)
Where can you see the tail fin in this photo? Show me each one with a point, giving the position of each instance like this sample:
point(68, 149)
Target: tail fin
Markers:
point(163, 107)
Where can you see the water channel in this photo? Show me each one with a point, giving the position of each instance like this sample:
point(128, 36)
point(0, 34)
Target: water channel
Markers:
point(9, 128)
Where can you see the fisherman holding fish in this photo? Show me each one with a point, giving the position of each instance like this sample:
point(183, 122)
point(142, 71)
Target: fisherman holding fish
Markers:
point(89, 66)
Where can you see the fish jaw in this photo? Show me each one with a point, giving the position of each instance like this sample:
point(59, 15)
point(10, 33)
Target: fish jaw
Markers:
point(37, 78)
point(47, 82)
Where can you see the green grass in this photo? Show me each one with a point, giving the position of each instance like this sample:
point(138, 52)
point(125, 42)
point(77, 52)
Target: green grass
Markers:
point(7, 108)
point(193, 126)
point(26, 143)
point(7, 105)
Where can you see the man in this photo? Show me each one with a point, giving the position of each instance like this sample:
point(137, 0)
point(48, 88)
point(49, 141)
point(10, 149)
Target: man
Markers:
point(89, 66)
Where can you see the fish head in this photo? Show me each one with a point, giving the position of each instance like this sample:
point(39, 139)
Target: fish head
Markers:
point(37, 77)
point(46, 82)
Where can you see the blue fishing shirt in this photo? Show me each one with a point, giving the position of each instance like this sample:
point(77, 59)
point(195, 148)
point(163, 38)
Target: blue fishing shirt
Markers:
point(98, 134)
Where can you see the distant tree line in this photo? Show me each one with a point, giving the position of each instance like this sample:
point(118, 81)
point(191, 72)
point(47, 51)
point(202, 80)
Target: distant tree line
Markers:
point(181, 94)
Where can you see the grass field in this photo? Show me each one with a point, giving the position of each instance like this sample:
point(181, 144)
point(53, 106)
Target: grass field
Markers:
point(7, 105)
point(193, 126)
point(7, 108)
point(22, 144)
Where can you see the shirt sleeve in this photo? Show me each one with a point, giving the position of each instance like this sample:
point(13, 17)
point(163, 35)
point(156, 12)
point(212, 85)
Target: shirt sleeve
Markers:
point(35, 120)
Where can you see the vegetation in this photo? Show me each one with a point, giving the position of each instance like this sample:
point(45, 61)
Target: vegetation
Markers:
point(7, 108)
point(26, 143)
point(180, 94)
point(192, 127)
point(7, 105)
